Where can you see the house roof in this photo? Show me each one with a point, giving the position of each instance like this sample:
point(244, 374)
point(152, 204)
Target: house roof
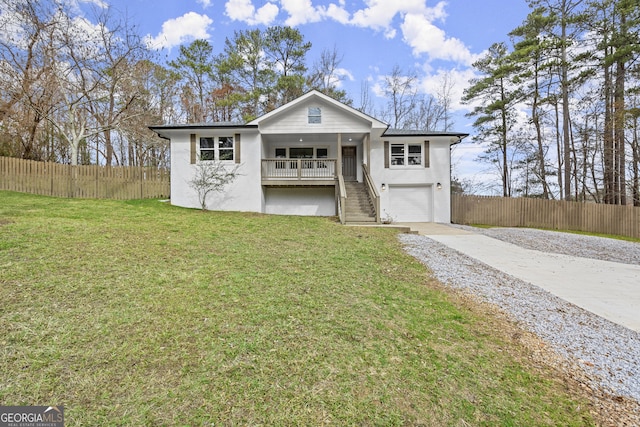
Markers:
point(414, 132)
point(456, 137)
point(211, 125)
point(162, 130)
point(319, 95)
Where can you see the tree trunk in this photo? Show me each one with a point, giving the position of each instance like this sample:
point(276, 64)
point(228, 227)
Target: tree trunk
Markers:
point(565, 105)
point(619, 143)
point(539, 138)
point(559, 151)
point(608, 141)
point(506, 189)
point(636, 163)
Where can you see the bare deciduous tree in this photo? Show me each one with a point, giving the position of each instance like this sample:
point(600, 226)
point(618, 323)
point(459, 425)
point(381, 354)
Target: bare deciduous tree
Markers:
point(211, 176)
point(400, 89)
point(326, 77)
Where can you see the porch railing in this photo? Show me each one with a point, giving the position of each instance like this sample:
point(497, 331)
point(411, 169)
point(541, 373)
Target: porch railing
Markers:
point(298, 169)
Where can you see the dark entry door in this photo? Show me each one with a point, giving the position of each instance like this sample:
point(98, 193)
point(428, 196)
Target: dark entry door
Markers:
point(349, 167)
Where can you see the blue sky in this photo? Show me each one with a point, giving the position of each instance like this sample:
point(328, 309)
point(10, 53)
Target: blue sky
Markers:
point(429, 37)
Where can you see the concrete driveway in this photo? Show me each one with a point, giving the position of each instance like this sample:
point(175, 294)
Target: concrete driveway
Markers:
point(608, 289)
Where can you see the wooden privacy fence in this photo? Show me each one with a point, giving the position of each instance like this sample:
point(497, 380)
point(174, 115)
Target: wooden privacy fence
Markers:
point(95, 182)
point(550, 214)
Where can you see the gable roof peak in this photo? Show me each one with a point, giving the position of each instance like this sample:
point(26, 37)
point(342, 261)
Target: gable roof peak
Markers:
point(314, 93)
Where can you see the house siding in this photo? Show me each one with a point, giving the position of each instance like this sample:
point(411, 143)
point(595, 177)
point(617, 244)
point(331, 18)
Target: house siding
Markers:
point(333, 121)
point(300, 201)
point(437, 172)
point(410, 187)
point(244, 194)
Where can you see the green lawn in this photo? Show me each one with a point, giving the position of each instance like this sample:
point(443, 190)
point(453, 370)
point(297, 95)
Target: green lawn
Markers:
point(140, 313)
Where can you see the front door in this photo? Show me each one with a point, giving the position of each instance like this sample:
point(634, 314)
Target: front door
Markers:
point(349, 167)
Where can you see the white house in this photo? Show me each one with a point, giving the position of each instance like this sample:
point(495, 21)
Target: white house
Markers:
point(317, 156)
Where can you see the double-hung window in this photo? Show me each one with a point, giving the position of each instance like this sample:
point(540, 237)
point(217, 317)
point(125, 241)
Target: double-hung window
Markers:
point(315, 115)
point(207, 149)
point(414, 154)
point(216, 148)
point(406, 154)
point(397, 154)
point(225, 148)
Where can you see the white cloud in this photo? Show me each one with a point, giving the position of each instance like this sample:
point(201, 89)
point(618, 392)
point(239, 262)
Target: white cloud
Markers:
point(302, 12)
point(99, 3)
point(245, 11)
point(418, 29)
point(205, 3)
point(379, 14)
point(175, 32)
point(437, 13)
point(338, 13)
point(343, 73)
point(424, 37)
point(413, 18)
point(339, 76)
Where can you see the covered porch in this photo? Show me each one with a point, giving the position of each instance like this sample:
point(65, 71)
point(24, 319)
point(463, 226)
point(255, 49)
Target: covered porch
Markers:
point(305, 159)
point(322, 160)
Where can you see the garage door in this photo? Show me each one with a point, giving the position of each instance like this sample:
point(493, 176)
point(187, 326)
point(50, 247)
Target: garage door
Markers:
point(301, 201)
point(411, 203)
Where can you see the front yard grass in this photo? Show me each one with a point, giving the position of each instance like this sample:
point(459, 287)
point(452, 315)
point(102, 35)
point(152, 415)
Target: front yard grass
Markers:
point(141, 313)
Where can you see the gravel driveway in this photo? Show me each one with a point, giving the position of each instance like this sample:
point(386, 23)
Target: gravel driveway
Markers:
point(609, 354)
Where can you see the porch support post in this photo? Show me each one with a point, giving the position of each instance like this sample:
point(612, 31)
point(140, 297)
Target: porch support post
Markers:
point(339, 163)
point(367, 149)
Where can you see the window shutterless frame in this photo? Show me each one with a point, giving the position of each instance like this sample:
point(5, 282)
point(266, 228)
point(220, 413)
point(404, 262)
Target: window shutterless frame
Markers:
point(207, 148)
point(217, 148)
point(406, 154)
point(314, 115)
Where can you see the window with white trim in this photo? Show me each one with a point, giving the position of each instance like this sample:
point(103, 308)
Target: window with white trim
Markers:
point(302, 153)
point(225, 148)
point(216, 148)
point(315, 115)
point(322, 153)
point(406, 154)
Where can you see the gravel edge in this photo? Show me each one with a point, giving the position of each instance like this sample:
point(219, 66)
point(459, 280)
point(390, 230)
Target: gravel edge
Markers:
point(607, 354)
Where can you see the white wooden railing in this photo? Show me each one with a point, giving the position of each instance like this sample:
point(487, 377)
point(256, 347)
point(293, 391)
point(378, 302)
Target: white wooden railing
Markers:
point(373, 192)
point(299, 169)
point(342, 199)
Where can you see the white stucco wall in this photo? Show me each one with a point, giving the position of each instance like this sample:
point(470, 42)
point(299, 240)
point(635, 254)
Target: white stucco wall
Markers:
point(419, 176)
point(300, 201)
point(244, 194)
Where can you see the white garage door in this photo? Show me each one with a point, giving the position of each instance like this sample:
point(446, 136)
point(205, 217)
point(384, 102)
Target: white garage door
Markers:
point(301, 201)
point(411, 204)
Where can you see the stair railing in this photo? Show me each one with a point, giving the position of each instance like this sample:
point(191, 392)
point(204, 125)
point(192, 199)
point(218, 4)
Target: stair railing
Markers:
point(342, 199)
point(373, 192)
